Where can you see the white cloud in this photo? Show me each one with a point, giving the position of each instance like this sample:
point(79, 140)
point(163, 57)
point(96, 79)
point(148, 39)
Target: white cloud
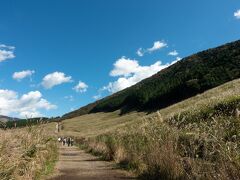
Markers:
point(176, 60)
point(134, 76)
point(7, 47)
point(157, 45)
point(55, 79)
point(6, 52)
point(140, 52)
point(237, 14)
point(22, 74)
point(27, 105)
point(80, 87)
point(173, 53)
point(29, 114)
point(124, 66)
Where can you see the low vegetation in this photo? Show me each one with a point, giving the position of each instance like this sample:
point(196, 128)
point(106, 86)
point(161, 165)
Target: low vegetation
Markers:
point(92, 125)
point(19, 123)
point(26, 153)
point(198, 138)
point(199, 145)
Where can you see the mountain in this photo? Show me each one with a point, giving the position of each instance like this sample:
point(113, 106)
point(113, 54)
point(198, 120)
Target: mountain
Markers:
point(184, 79)
point(6, 118)
point(10, 122)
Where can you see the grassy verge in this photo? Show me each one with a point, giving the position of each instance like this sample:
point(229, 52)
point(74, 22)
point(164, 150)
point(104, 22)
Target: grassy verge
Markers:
point(203, 143)
point(50, 162)
point(26, 153)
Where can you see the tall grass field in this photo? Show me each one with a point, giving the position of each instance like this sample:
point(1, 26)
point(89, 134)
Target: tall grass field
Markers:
point(26, 153)
point(198, 138)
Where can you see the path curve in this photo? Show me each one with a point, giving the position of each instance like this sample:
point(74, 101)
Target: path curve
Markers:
point(75, 164)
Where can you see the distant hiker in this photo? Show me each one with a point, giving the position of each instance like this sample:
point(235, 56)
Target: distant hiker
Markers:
point(72, 141)
point(68, 141)
point(64, 141)
point(59, 139)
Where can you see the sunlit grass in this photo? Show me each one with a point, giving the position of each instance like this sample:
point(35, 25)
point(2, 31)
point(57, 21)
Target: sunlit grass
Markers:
point(196, 138)
point(25, 152)
point(96, 124)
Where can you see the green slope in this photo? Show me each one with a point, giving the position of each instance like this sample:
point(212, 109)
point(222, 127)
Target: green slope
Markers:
point(188, 77)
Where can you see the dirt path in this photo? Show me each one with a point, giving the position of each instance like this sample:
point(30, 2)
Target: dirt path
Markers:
point(75, 164)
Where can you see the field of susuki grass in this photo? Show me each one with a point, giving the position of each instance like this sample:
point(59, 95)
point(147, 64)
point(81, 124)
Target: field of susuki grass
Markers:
point(92, 125)
point(26, 153)
point(198, 138)
point(207, 147)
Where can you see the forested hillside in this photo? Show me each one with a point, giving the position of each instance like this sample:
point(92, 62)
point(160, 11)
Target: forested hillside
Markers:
point(184, 79)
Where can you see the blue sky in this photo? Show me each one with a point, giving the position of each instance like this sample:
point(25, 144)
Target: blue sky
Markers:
point(67, 53)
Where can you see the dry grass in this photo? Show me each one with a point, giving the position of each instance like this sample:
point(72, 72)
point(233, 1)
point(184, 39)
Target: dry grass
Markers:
point(91, 125)
point(25, 153)
point(156, 150)
point(198, 138)
point(95, 124)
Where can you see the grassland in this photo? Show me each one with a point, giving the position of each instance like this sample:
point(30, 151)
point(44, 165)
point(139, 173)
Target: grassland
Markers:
point(198, 138)
point(26, 153)
point(91, 125)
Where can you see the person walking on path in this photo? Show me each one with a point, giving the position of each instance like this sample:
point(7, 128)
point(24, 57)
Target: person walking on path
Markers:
point(64, 141)
point(68, 141)
point(72, 141)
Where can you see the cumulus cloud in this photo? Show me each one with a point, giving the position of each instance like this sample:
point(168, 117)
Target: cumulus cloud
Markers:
point(6, 52)
point(173, 53)
point(237, 14)
point(22, 74)
point(26, 105)
point(156, 46)
point(30, 114)
point(55, 79)
point(130, 76)
point(80, 87)
point(124, 66)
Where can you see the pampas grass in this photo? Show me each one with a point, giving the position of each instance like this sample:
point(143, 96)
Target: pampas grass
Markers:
point(196, 144)
point(24, 152)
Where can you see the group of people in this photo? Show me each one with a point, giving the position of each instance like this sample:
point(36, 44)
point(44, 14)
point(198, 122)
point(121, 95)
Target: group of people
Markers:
point(66, 141)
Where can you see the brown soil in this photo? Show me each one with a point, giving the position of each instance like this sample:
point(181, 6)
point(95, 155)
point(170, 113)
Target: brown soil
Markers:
point(75, 164)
